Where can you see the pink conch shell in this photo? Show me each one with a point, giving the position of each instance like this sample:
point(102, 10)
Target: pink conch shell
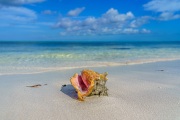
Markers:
point(84, 83)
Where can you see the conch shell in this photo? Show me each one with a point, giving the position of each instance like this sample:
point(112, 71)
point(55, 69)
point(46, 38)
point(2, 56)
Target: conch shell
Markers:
point(86, 82)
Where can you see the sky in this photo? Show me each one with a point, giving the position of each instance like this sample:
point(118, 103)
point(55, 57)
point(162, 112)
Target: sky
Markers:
point(86, 20)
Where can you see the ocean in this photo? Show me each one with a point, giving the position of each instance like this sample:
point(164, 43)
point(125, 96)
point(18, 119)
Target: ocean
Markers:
point(35, 57)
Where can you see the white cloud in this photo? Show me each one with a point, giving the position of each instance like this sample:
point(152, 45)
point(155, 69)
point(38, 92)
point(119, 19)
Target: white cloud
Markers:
point(75, 12)
point(50, 24)
point(48, 12)
point(145, 31)
point(163, 5)
point(130, 30)
point(18, 2)
point(111, 22)
point(14, 14)
point(140, 21)
point(167, 9)
point(168, 16)
point(112, 15)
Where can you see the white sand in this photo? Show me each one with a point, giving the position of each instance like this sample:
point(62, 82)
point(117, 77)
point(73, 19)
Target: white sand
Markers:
point(136, 92)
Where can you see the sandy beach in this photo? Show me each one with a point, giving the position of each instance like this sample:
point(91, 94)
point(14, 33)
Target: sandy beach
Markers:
point(90, 60)
point(148, 91)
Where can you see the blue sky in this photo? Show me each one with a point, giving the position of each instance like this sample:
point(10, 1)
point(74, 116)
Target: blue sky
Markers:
point(123, 20)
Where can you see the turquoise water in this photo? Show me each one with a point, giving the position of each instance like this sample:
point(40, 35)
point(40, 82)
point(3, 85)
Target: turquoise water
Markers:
point(32, 57)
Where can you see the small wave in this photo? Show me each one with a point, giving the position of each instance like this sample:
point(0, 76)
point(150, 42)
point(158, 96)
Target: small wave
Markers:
point(37, 70)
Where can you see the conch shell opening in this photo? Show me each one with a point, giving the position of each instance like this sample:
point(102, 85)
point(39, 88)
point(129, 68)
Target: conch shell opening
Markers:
point(85, 83)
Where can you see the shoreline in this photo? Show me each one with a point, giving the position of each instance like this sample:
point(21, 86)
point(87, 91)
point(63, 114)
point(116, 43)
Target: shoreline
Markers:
point(107, 64)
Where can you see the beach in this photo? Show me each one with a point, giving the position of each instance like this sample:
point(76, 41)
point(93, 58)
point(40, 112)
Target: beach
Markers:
point(149, 91)
point(84, 60)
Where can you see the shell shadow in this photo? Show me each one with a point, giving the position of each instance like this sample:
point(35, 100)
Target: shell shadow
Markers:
point(69, 91)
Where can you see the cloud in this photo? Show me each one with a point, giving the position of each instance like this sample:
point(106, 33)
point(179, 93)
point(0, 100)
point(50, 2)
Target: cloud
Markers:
point(111, 22)
point(50, 24)
point(14, 14)
point(113, 16)
point(168, 16)
point(48, 12)
point(140, 21)
point(167, 9)
point(18, 2)
point(145, 31)
point(75, 12)
point(163, 5)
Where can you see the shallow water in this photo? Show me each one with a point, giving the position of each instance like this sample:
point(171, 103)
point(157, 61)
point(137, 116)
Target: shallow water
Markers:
point(32, 57)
